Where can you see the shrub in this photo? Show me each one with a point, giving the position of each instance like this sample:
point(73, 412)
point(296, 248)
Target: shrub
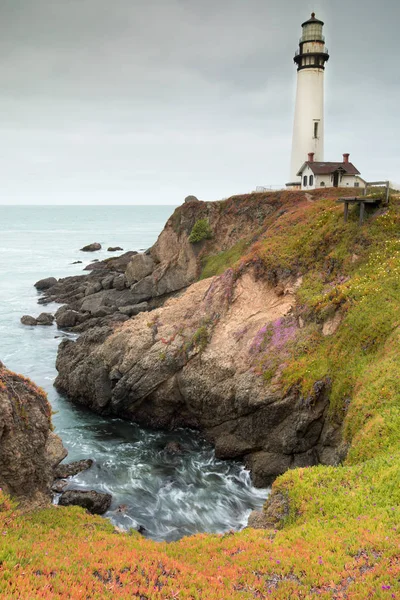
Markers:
point(201, 231)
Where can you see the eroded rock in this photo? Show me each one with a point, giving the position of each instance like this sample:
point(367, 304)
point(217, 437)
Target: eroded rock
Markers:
point(94, 247)
point(131, 311)
point(96, 503)
point(64, 470)
point(29, 450)
point(191, 363)
point(29, 321)
point(45, 284)
point(45, 319)
point(139, 267)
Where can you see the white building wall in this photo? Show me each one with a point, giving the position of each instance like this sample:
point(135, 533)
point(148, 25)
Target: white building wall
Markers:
point(320, 181)
point(344, 181)
point(309, 110)
point(308, 173)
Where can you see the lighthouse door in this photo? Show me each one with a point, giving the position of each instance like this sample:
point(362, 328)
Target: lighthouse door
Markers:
point(336, 179)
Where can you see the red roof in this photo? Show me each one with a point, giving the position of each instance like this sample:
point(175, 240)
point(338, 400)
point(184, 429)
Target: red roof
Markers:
point(327, 168)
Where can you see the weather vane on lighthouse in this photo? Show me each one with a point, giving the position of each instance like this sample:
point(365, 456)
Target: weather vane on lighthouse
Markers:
point(308, 130)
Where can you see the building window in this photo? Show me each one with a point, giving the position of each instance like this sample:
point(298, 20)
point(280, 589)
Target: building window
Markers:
point(322, 183)
point(311, 180)
point(305, 181)
point(357, 184)
point(315, 130)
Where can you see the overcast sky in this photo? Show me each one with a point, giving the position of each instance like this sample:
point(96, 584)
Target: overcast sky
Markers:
point(147, 101)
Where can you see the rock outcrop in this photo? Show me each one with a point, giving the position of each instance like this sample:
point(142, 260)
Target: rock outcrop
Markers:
point(193, 363)
point(118, 288)
point(45, 284)
point(96, 503)
point(29, 450)
point(45, 319)
point(196, 360)
point(64, 470)
point(29, 321)
point(91, 247)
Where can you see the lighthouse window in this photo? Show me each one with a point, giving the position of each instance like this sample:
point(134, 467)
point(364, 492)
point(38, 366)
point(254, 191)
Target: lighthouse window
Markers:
point(311, 180)
point(315, 130)
point(305, 179)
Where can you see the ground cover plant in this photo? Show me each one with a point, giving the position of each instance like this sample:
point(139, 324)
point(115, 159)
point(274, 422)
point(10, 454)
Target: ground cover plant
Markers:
point(341, 536)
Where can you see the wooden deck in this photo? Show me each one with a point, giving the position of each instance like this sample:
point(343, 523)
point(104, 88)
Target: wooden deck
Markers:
point(363, 200)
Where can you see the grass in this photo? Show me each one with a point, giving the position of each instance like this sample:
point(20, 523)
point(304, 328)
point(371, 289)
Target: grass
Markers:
point(341, 539)
point(219, 263)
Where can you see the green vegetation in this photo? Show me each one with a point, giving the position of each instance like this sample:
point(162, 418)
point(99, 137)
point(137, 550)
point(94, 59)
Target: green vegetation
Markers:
point(341, 538)
point(218, 263)
point(200, 338)
point(201, 231)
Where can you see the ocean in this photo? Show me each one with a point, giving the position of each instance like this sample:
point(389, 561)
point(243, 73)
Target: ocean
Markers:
point(169, 497)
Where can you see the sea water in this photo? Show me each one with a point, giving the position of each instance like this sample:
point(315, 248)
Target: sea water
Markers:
point(170, 496)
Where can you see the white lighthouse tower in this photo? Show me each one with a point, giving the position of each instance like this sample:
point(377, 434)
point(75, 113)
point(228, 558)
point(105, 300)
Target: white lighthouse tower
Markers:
point(308, 130)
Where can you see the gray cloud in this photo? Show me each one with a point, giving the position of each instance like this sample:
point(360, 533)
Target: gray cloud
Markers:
point(146, 101)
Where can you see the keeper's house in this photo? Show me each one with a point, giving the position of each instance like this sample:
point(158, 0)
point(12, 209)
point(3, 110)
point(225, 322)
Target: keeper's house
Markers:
point(329, 174)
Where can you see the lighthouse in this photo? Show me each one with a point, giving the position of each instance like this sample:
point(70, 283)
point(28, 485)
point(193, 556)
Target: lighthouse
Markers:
point(308, 129)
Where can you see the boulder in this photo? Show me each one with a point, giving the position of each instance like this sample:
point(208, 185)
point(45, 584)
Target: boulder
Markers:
point(96, 503)
point(93, 288)
point(45, 284)
point(67, 319)
point(119, 282)
point(131, 311)
point(191, 199)
point(114, 249)
point(77, 262)
point(64, 470)
point(91, 247)
point(107, 282)
point(111, 298)
point(139, 267)
point(28, 320)
point(45, 319)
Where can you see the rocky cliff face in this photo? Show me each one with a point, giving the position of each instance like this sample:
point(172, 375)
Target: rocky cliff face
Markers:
point(193, 362)
point(122, 287)
point(209, 353)
point(29, 450)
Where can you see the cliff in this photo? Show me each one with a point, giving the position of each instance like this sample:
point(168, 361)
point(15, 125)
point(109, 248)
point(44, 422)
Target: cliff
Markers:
point(201, 359)
point(29, 450)
point(333, 531)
